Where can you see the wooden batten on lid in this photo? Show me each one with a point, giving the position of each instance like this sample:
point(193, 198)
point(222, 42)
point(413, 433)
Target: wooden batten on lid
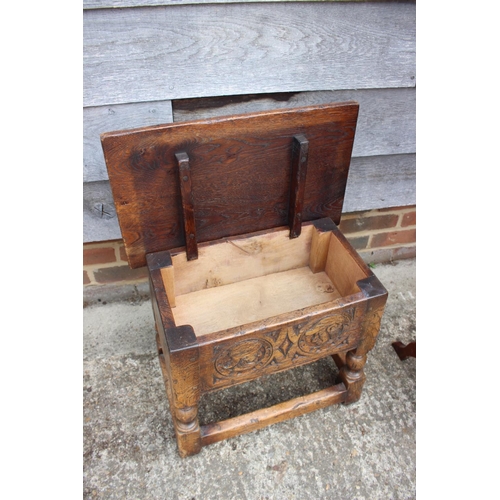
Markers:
point(180, 184)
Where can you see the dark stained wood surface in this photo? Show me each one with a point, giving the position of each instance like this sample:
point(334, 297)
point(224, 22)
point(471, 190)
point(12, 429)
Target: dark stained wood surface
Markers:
point(240, 173)
point(99, 119)
point(300, 150)
point(405, 351)
point(385, 128)
point(187, 205)
point(386, 121)
point(367, 188)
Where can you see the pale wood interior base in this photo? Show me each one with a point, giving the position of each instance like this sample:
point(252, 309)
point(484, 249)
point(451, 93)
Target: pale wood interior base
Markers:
point(252, 278)
point(236, 304)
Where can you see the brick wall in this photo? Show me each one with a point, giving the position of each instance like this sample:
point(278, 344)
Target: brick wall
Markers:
point(382, 235)
point(105, 263)
point(378, 236)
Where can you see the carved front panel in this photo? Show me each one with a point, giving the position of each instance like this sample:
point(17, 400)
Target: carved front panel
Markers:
point(290, 345)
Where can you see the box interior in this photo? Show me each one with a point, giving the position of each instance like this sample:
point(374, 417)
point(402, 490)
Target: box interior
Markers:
point(250, 278)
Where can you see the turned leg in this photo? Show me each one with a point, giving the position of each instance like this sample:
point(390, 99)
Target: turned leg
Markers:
point(178, 351)
point(183, 374)
point(352, 373)
point(353, 376)
point(187, 430)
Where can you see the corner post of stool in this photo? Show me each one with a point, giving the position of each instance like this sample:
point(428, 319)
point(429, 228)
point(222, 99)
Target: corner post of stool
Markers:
point(352, 373)
point(184, 367)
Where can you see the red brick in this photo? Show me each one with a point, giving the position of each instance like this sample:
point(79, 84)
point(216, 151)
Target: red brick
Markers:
point(368, 223)
point(409, 219)
point(86, 279)
point(393, 238)
point(92, 256)
point(359, 243)
point(120, 273)
point(123, 254)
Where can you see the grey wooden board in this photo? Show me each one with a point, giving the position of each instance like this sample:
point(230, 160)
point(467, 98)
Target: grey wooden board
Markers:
point(116, 117)
point(174, 52)
point(386, 122)
point(109, 4)
point(380, 182)
point(99, 215)
point(374, 182)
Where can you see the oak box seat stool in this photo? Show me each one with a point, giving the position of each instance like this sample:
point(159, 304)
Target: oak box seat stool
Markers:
point(236, 219)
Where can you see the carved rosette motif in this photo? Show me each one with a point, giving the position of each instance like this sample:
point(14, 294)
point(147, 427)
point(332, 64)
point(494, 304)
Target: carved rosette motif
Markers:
point(288, 345)
point(244, 356)
point(327, 332)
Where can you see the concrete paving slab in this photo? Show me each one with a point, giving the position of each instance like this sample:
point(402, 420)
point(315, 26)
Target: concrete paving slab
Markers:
point(361, 451)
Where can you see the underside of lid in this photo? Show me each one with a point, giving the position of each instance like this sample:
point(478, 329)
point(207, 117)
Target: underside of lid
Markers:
point(240, 174)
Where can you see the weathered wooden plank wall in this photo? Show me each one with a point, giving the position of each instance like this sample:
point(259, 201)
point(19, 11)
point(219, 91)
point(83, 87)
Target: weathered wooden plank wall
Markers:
point(146, 54)
point(101, 119)
point(110, 4)
point(151, 65)
point(386, 122)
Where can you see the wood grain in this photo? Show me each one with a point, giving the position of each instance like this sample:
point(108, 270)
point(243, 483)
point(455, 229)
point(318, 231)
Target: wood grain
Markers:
point(110, 4)
point(186, 189)
point(249, 422)
point(386, 121)
point(160, 53)
point(278, 343)
point(167, 275)
point(251, 326)
point(320, 243)
point(342, 268)
point(373, 182)
point(253, 278)
point(219, 308)
point(179, 360)
point(300, 150)
point(241, 258)
point(99, 213)
point(183, 372)
point(97, 120)
point(381, 182)
point(230, 160)
point(162, 311)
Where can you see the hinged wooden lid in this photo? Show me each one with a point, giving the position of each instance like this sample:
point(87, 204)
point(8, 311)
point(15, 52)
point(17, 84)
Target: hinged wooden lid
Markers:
point(240, 174)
